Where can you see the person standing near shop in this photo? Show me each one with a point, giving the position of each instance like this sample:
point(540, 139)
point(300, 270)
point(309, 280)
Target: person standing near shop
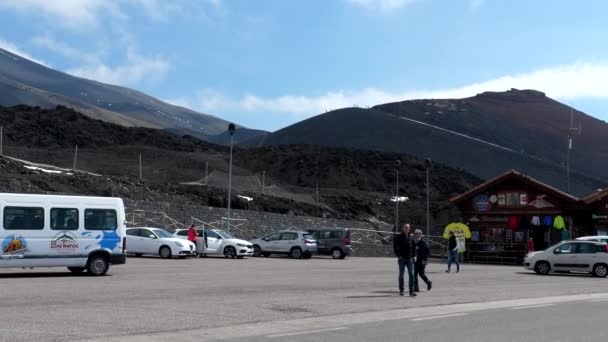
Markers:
point(530, 245)
point(421, 253)
point(453, 253)
point(402, 246)
point(192, 237)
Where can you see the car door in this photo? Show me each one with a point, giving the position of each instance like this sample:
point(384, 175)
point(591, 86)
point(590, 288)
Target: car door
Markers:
point(586, 255)
point(287, 241)
point(149, 244)
point(134, 243)
point(323, 241)
point(269, 242)
point(563, 257)
point(214, 242)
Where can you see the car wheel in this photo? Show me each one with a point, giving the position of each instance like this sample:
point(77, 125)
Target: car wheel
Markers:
point(230, 252)
point(138, 254)
point(600, 270)
point(98, 265)
point(76, 270)
point(165, 252)
point(296, 253)
point(337, 253)
point(257, 251)
point(265, 255)
point(542, 267)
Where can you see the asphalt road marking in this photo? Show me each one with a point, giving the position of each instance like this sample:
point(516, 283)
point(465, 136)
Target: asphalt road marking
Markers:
point(530, 306)
point(296, 333)
point(237, 331)
point(438, 316)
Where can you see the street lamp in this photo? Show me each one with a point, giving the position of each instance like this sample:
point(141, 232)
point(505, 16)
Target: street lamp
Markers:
point(231, 130)
point(427, 164)
point(397, 165)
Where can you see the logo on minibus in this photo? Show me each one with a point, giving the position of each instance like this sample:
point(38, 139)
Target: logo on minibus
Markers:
point(14, 244)
point(64, 241)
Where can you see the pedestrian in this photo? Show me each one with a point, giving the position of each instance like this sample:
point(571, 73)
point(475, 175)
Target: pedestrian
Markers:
point(192, 238)
point(421, 253)
point(453, 253)
point(402, 246)
point(530, 245)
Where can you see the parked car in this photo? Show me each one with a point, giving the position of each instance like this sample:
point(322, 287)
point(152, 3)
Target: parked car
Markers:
point(157, 241)
point(600, 238)
point(296, 244)
point(217, 242)
point(570, 256)
point(332, 241)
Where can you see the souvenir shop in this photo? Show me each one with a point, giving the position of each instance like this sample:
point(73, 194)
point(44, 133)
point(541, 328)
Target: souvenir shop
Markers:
point(597, 206)
point(505, 212)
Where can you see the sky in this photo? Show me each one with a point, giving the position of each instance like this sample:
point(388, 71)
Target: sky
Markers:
point(267, 64)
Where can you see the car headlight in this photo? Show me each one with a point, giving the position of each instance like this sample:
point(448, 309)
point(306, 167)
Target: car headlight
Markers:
point(241, 245)
point(178, 244)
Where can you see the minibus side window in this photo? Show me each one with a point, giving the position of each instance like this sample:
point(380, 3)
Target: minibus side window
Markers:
point(100, 219)
point(64, 219)
point(23, 218)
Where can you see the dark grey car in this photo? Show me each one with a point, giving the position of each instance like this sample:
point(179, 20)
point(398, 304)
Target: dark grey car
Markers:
point(332, 241)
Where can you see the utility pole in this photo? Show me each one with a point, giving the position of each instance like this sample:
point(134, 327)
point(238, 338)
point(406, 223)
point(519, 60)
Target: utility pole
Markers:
point(263, 182)
point(572, 131)
point(397, 165)
point(1, 140)
point(427, 163)
point(75, 157)
point(231, 130)
point(140, 172)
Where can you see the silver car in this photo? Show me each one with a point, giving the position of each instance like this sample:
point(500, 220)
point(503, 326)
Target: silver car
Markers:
point(296, 244)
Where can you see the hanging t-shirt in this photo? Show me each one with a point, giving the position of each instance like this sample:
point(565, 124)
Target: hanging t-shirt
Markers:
point(565, 235)
point(536, 221)
point(513, 222)
point(548, 221)
point(559, 223)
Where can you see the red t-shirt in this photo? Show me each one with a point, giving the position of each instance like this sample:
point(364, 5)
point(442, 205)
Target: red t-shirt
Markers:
point(530, 246)
point(191, 234)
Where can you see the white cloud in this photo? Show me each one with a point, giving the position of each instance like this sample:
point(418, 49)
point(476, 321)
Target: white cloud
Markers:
point(50, 43)
point(10, 47)
point(136, 70)
point(77, 14)
point(383, 5)
point(566, 82)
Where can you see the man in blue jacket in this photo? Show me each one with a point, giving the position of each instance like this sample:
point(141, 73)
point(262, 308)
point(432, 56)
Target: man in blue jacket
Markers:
point(402, 246)
point(421, 253)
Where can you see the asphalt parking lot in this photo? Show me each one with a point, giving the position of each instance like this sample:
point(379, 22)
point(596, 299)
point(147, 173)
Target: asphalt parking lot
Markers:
point(150, 295)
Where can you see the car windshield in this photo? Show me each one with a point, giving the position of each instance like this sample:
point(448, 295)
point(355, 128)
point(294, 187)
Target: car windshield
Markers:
point(309, 237)
point(161, 233)
point(224, 234)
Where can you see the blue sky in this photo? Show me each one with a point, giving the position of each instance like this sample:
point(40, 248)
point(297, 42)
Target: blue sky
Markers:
point(270, 63)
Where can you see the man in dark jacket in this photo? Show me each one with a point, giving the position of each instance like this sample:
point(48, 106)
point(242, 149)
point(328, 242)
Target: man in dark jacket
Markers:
point(421, 252)
point(402, 245)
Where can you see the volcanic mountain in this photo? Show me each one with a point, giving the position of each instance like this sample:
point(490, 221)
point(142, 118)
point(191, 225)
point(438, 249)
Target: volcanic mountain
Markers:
point(486, 135)
point(25, 82)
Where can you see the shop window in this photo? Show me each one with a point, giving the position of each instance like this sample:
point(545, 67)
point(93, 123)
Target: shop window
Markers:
point(512, 199)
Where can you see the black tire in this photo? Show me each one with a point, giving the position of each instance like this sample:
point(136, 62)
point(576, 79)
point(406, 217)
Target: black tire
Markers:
point(98, 264)
point(240, 257)
point(138, 254)
point(542, 267)
point(230, 252)
point(307, 255)
point(257, 251)
point(164, 252)
point(76, 270)
point(600, 270)
point(265, 254)
point(296, 253)
point(337, 253)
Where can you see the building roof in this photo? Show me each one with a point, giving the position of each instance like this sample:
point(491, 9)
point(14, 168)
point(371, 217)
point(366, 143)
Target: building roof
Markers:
point(517, 175)
point(595, 196)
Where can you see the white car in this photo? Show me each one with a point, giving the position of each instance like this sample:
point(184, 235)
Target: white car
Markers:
point(600, 238)
point(296, 244)
point(570, 256)
point(217, 242)
point(157, 241)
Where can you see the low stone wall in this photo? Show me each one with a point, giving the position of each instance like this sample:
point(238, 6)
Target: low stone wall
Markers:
point(250, 224)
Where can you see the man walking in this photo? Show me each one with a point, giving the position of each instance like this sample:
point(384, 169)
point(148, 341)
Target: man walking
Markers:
point(192, 238)
point(402, 246)
point(422, 252)
point(453, 253)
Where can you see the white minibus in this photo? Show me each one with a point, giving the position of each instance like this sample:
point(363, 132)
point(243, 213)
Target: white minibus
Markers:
point(77, 232)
